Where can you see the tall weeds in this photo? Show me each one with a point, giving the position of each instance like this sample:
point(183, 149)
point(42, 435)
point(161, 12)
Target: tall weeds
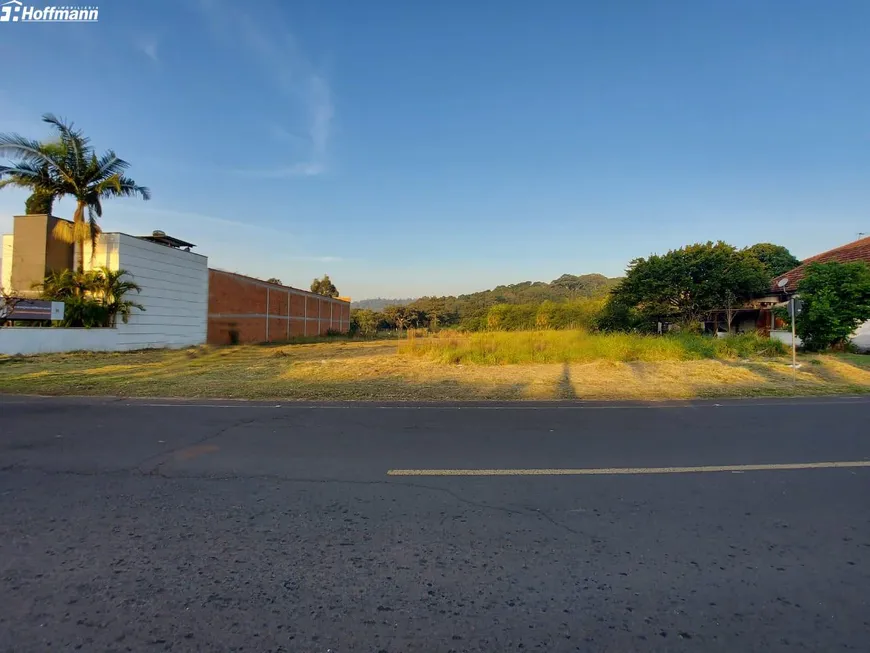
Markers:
point(503, 348)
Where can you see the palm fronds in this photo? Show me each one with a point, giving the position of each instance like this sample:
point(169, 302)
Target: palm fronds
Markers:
point(92, 294)
point(65, 166)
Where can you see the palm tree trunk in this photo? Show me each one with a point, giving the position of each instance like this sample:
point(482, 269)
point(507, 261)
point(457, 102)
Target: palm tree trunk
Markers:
point(79, 230)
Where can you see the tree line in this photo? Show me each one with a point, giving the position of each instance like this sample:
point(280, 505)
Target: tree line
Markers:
point(707, 282)
point(691, 284)
point(686, 287)
point(508, 307)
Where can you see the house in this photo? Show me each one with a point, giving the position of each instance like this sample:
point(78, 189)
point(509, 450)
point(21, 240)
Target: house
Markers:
point(857, 251)
point(757, 313)
point(785, 285)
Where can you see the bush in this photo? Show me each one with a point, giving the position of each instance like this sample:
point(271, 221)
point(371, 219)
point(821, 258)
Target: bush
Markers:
point(85, 312)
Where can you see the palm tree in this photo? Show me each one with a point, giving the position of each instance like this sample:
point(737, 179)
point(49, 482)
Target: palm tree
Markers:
point(70, 167)
point(66, 284)
point(93, 298)
point(109, 287)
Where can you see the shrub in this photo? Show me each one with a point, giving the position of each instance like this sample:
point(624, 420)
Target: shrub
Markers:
point(836, 298)
point(85, 312)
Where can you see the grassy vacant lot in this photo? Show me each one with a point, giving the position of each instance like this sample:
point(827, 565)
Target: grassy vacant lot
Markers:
point(655, 369)
point(520, 347)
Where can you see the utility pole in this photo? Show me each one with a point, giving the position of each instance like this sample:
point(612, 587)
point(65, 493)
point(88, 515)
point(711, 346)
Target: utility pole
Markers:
point(793, 343)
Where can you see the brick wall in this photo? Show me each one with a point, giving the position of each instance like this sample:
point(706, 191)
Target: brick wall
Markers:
point(267, 312)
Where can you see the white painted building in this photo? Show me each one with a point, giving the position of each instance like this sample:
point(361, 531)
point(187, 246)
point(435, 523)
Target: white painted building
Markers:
point(174, 294)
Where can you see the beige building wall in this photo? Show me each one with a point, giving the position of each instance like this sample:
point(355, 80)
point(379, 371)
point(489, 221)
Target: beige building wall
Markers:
point(6, 266)
point(58, 254)
point(28, 255)
point(36, 252)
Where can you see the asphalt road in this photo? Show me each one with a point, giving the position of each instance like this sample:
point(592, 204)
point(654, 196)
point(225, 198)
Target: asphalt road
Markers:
point(139, 526)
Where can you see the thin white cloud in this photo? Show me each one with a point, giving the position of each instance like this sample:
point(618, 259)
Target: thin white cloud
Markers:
point(296, 170)
point(198, 218)
point(276, 53)
point(148, 46)
point(318, 259)
point(280, 133)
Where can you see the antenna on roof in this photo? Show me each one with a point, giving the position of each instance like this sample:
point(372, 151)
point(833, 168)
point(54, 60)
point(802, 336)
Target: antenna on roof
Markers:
point(861, 234)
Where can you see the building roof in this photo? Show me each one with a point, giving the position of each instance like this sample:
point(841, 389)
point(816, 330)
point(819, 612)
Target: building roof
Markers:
point(162, 239)
point(850, 253)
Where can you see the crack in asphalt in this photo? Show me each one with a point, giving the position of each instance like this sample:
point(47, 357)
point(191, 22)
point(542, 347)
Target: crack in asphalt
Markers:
point(167, 456)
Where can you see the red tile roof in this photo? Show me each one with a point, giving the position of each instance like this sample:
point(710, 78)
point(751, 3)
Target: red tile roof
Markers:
point(856, 251)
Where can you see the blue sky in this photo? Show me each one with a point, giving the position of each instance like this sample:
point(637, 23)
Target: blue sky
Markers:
point(411, 148)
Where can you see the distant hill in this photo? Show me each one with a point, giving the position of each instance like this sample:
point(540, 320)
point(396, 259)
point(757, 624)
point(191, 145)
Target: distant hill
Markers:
point(379, 303)
point(470, 309)
point(566, 287)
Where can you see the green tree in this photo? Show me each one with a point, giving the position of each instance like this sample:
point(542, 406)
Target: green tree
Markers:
point(274, 280)
point(583, 286)
point(836, 300)
point(324, 287)
point(775, 259)
point(38, 203)
point(512, 317)
point(685, 285)
point(69, 167)
point(617, 315)
point(365, 322)
point(402, 317)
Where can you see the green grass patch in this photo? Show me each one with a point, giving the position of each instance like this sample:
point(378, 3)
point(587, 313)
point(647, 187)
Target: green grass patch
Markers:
point(859, 360)
point(501, 348)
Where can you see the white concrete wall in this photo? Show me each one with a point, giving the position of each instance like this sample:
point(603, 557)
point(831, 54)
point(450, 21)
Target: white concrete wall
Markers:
point(6, 266)
point(861, 339)
point(785, 336)
point(174, 293)
point(25, 340)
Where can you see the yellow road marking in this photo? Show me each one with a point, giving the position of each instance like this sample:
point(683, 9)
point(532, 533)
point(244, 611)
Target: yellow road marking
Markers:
point(608, 471)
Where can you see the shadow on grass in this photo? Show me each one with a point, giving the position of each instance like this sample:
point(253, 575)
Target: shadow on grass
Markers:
point(565, 388)
point(837, 370)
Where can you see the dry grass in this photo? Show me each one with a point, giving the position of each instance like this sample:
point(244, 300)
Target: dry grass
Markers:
point(374, 370)
point(578, 346)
